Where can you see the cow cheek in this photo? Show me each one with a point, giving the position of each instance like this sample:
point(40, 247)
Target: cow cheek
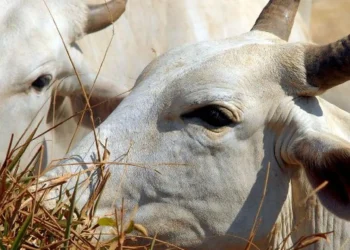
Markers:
point(18, 112)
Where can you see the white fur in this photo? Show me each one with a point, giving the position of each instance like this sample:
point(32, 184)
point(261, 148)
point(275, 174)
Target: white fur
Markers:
point(199, 187)
point(30, 47)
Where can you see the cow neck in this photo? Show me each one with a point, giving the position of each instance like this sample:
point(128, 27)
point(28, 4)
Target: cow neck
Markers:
point(283, 225)
point(310, 217)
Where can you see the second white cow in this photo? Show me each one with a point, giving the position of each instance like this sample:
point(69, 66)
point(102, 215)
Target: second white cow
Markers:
point(38, 66)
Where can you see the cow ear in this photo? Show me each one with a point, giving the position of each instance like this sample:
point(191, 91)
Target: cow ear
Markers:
point(326, 157)
point(105, 95)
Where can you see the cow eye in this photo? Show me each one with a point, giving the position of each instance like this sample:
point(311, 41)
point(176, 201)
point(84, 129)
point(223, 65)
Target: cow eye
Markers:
point(213, 115)
point(41, 82)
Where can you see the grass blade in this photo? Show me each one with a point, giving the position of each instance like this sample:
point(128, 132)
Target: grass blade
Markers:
point(2, 247)
point(71, 213)
point(153, 242)
point(21, 233)
point(23, 149)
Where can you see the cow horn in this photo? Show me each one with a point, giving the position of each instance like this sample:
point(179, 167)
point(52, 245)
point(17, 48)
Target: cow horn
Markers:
point(102, 15)
point(277, 18)
point(328, 65)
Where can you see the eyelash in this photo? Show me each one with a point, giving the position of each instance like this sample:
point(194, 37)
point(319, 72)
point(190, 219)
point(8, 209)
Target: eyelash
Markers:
point(212, 115)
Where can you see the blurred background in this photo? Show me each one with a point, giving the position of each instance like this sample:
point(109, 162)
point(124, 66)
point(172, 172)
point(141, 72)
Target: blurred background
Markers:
point(148, 28)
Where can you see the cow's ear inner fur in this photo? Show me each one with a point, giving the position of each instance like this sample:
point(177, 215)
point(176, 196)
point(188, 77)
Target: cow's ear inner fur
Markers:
point(326, 157)
point(104, 94)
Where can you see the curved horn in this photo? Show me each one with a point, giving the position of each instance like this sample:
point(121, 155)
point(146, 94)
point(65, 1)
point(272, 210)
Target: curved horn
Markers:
point(277, 18)
point(102, 15)
point(329, 65)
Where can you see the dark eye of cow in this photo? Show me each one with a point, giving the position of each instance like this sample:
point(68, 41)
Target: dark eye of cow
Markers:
point(42, 82)
point(213, 115)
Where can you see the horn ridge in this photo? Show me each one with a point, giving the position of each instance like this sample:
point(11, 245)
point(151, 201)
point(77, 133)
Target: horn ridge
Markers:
point(102, 15)
point(328, 65)
point(277, 18)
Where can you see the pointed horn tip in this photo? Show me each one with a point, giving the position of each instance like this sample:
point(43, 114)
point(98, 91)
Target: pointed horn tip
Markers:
point(102, 15)
point(277, 18)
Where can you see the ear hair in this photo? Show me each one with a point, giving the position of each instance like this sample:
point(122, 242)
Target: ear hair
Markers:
point(326, 157)
point(101, 107)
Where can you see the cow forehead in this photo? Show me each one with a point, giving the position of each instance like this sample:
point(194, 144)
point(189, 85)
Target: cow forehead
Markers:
point(178, 62)
point(205, 63)
point(20, 15)
point(19, 18)
point(29, 37)
point(25, 52)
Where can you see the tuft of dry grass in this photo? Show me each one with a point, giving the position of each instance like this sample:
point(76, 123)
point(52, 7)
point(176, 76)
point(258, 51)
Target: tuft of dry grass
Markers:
point(27, 223)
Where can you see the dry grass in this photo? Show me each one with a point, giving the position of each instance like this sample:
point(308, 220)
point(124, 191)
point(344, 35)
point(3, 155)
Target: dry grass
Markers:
point(25, 223)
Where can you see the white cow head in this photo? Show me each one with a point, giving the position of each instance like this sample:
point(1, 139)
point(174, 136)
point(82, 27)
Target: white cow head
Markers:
point(210, 118)
point(34, 60)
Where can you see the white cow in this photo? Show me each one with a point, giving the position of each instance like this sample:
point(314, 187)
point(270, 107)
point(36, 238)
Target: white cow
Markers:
point(210, 118)
point(34, 65)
